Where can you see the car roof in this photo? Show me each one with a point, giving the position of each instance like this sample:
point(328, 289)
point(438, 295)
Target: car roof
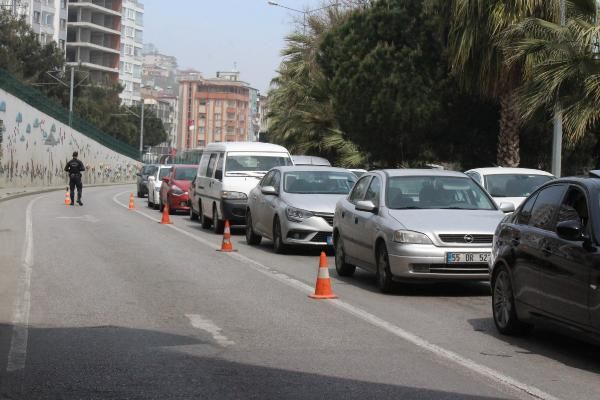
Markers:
point(177, 166)
point(245, 146)
point(590, 182)
point(310, 160)
point(294, 168)
point(509, 170)
point(420, 172)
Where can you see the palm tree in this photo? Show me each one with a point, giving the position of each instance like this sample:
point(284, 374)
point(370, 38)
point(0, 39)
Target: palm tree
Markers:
point(301, 115)
point(477, 59)
point(561, 63)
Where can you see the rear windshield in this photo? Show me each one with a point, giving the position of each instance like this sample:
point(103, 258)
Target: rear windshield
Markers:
point(436, 192)
point(238, 163)
point(318, 182)
point(164, 172)
point(185, 174)
point(149, 169)
point(514, 185)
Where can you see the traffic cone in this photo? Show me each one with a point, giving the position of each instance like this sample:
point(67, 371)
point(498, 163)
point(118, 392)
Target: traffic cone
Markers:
point(67, 198)
point(131, 202)
point(226, 246)
point(166, 220)
point(323, 286)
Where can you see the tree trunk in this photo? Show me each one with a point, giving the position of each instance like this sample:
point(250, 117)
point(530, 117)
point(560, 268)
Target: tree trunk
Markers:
point(508, 137)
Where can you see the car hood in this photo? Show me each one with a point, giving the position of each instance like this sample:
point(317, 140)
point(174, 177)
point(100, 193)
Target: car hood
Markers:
point(514, 200)
point(319, 203)
point(449, 221)
point(183, 185)
point(243, 184)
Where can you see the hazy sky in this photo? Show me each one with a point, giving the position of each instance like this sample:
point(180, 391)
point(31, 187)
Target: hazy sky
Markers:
point(211, 35)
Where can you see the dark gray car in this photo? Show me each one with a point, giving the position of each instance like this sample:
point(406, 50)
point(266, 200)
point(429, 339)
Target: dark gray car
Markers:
point(142, 179)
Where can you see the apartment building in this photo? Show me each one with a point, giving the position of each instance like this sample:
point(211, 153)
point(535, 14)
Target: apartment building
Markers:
point(47, 18)
point(212, 110)
point(159, 71)
point(94, 37)
point(131, 50)
point(165, 105)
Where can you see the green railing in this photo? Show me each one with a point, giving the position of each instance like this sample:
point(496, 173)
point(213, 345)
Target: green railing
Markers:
point(39, 101)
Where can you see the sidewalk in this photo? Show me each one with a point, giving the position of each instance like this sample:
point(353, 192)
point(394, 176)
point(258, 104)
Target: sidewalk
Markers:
point(13, 193)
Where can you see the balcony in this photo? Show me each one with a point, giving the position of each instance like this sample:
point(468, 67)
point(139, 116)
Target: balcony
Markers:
point(108, 7)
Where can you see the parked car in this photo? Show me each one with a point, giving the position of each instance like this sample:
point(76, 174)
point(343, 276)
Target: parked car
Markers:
point(142, 179)
point(175, 187)
point(358, 171)
point(294, 205)
point(154, 184)
point(310, 160)
point(226, 174)
point(546, 260)
point(408, 225)
point(510, 185)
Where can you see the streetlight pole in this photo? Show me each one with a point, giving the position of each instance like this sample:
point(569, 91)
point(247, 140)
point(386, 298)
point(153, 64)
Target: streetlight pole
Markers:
point(71, 94)
point(142, 132)
point(557, 134)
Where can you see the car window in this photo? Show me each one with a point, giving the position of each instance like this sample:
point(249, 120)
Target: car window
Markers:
point(267, 179)
point(318, 182)
point(525, 212)
point(514, 185)
point(276, 180)
point(358, 193)
point(202, 169)
point(574, 207)
point(374, 190)
point(219, 167)
point(211, 164)
point(164, 172)
point(185, 174)
point(475, 176)
point(546, 206)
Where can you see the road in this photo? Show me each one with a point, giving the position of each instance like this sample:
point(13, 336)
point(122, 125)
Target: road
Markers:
point(100, 302)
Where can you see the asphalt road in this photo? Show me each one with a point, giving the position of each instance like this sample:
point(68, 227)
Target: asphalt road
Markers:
point(100, 302)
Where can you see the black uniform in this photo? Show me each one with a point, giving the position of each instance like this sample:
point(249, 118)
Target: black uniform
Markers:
point(75, 168)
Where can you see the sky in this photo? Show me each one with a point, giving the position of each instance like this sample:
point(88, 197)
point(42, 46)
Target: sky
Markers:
point(212, 35)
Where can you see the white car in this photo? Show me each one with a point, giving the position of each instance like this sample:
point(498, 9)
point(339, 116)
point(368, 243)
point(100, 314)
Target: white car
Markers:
point(509, 185)
point(154, 183)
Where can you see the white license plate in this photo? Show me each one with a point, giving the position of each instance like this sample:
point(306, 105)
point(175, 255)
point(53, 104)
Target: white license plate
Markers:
point(467, 258)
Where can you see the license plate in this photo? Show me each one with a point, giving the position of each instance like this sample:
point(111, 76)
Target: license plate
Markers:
point(466, 258)
point(330, 240)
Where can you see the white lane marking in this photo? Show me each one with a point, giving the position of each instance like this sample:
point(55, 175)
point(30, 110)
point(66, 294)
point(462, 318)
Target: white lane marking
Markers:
point(473, 366)
point(17, 354)
point(86, 218)
point(199, 322)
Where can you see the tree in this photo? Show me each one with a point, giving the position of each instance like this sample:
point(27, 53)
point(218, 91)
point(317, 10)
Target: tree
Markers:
point(386, 66)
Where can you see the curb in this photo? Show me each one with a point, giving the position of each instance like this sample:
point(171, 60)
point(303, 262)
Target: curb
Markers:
point(55, 189)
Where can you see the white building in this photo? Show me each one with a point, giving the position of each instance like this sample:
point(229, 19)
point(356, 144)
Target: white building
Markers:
point(130, 67)
point(47, 18)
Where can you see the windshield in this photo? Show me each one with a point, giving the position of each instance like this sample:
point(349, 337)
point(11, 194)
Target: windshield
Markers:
point(149, 170)
point(247, 163)
point(318, 182)
point(185, 174)
point(163, 172)
point(436, 192)
point(514, 185)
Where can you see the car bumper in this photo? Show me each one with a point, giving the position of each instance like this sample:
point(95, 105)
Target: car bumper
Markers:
point(314, 231)
point(428, 262)
point(234, 211)
point(179, 203)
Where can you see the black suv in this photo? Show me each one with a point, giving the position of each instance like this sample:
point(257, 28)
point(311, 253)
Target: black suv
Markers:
point(546, 259)
point(142, 179)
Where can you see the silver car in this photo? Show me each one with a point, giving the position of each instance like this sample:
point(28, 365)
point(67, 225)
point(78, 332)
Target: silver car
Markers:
point(294, 205)
point(416, 224)
point(154, 184)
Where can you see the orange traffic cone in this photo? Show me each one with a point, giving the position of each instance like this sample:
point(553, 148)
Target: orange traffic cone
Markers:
point(323, 286)
point(166, 220)
point(67, 198)
point(226, 246)
point(131, 202)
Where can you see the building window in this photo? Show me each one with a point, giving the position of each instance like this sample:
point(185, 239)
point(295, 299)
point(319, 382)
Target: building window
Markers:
point(230, 103)
point(63, 4)
point(129, 32)
point(63, 24)
point(130, 13)
point(218, 103)
point(202, 130)
point(61, 43)
point(48, 19)
point(217, 116)
point(36, 17)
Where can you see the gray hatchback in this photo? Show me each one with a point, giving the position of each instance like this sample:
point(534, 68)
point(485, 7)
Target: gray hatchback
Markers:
point(416, 225)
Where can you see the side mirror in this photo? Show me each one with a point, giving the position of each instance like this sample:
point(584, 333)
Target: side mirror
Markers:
point(219, 175)
point(570, 230)
point(269, 191)
point(366, 205)
point(507, 207)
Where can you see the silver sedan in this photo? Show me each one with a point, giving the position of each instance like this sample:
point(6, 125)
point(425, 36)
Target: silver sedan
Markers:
point(294, 205)
point(416, 225)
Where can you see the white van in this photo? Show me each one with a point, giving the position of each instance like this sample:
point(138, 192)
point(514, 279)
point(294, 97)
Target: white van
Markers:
point(226, 174)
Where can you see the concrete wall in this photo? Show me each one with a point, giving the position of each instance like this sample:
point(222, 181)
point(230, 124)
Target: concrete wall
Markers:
point(34, 149)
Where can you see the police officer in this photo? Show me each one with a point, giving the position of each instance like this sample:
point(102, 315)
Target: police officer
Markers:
point(75, 168)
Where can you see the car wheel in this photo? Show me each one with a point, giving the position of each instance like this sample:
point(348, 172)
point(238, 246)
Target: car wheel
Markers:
point(218, 226)
point(383, 274)
point(204, 222)
point(341, 266)
point(503, 305)
point(150, 204)
point(140, 194)
point(193, 215)
point(251, 237)
point(278, 244)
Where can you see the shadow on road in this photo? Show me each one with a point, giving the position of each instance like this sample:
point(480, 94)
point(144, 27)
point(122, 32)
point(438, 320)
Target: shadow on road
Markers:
point(110, 362)
point(556, 345)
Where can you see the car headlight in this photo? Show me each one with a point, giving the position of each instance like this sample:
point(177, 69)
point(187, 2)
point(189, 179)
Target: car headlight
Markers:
point(176, 190)
point(411, 237)
point(296, 214)
point(233, 195)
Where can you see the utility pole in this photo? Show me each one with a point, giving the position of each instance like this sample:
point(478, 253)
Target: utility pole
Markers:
point(71, 87)
point(557, 136)
point(142, 132)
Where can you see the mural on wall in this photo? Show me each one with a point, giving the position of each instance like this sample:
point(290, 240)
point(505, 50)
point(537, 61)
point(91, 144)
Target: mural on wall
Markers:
point(35, 148)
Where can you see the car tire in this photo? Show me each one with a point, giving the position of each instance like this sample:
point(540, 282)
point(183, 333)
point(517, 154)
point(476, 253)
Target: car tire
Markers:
point(503, 305)
point(204, 222)
point(251, 237)
point(218, 225)
point(140, 194)
point(341, 266)
point(278, 245)
point(383, 276)
point(193, 215)
point(150, 205)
